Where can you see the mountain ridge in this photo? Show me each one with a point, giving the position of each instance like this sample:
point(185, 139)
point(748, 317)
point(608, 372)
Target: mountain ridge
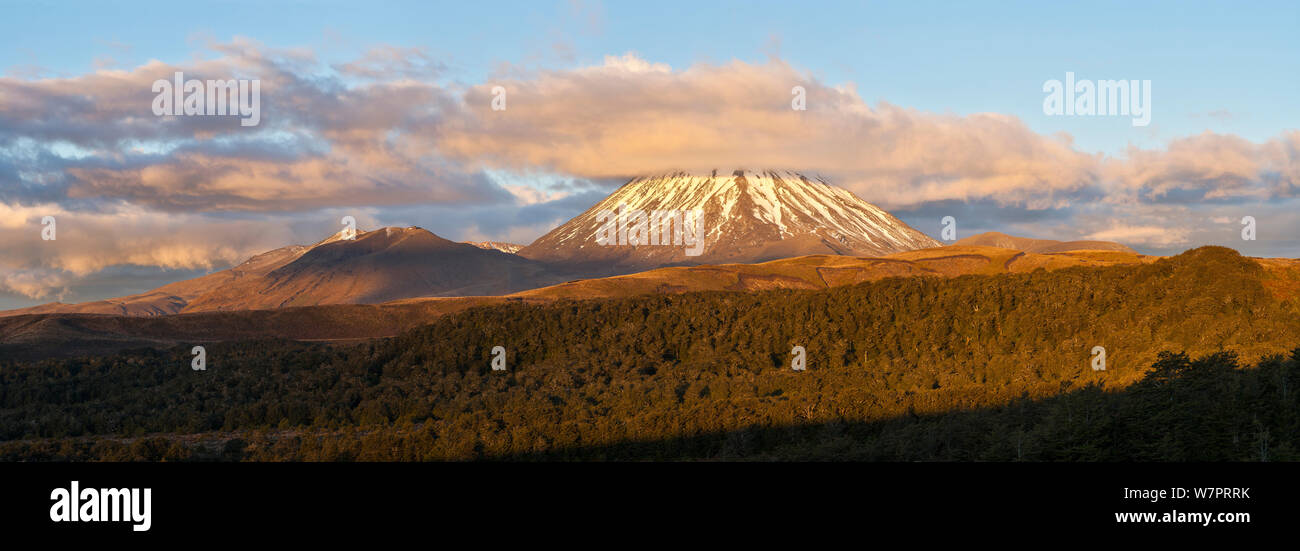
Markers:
point(756, 217)
point(375, 266)
point(1040, 246)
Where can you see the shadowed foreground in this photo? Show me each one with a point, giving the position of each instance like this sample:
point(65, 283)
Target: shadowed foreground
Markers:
point(969, 368)
point(1183, 410)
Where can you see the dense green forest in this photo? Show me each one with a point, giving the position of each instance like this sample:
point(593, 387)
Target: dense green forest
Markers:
point(968, 368)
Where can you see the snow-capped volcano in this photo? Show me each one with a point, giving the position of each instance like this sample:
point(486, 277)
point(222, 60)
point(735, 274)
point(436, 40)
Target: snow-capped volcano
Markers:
point(746, 216)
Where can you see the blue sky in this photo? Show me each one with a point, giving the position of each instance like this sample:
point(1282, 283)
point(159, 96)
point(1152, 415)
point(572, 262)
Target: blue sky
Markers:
point(1223, 66)
point(376, 110)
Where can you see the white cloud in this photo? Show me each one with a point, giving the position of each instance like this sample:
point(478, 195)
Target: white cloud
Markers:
point(1139, 235)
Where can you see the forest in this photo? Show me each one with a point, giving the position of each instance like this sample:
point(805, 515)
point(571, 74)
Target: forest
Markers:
point(1201, 365)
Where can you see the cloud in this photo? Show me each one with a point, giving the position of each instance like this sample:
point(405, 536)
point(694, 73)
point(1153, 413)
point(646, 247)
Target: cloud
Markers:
point(391, 62)
point(527, 195)
point(88, 242)
point(391, 138)
point(204, 182)
point(323, 140)
point(1156, 236)
point(629, 117)
point(34, 284)
point(1210, 166)
point(386, 136)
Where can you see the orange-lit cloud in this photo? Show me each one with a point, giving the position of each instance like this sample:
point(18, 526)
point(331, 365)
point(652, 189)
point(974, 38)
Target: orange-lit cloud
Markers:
point(630, 117)
point(388, 130)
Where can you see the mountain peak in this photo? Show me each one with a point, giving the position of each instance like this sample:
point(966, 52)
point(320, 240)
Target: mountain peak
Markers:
point(746, 216)
point(379, 265)
point(386, 232)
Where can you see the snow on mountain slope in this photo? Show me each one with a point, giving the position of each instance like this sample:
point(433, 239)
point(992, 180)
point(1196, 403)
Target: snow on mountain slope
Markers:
point(746, 217)
point(511, 248)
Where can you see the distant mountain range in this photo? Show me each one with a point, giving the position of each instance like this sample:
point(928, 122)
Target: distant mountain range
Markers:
point(53, 334)
point(68, 334)
point(1040, 246)
point(825, 271)
point(374, 267)
point(746, 218)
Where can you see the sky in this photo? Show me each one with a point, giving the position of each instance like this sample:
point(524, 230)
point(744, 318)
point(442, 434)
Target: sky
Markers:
point(382, 111)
